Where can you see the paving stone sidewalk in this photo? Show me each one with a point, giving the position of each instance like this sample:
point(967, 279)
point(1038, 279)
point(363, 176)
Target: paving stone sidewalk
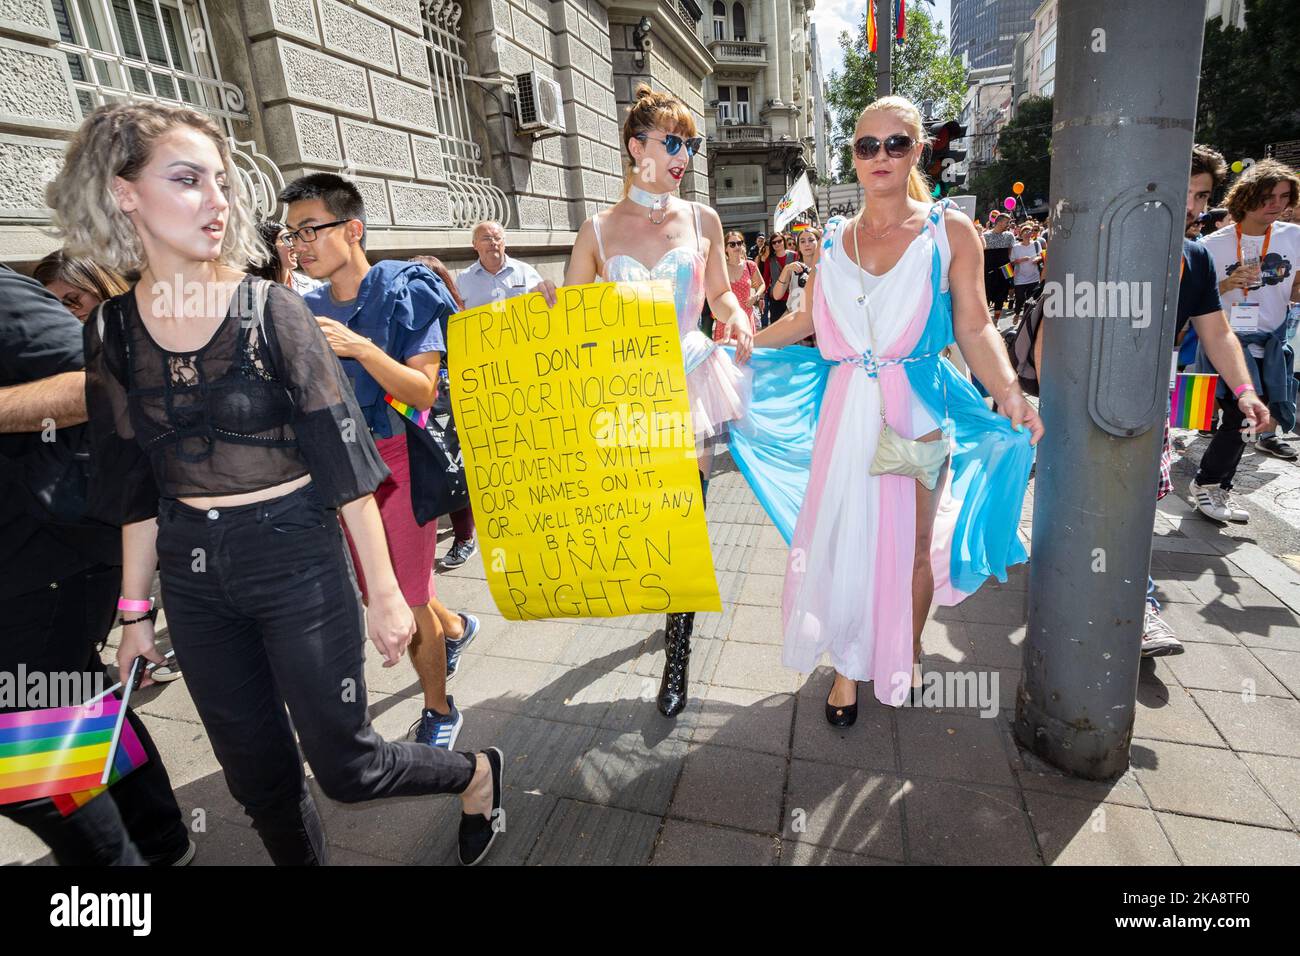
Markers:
point(752, 774)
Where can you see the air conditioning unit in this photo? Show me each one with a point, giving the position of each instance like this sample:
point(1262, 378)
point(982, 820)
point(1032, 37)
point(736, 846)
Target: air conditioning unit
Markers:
point(539, 104)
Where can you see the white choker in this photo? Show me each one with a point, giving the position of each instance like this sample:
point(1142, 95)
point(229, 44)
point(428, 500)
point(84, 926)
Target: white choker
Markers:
point(655, 202)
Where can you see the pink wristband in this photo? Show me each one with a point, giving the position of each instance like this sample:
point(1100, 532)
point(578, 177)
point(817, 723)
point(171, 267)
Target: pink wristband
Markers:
point(124, 604)
point(1236, 392)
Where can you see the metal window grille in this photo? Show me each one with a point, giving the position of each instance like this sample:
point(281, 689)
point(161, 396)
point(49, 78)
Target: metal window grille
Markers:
point(474, 197)
point(159, 51)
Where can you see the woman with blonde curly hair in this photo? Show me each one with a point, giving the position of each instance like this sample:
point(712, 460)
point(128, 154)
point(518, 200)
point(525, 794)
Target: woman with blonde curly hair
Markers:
point(652, 235)
point(224, 442)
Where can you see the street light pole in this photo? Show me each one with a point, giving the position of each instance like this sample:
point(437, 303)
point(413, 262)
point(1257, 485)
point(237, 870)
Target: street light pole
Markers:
point(884, 46)
point(1126, 85)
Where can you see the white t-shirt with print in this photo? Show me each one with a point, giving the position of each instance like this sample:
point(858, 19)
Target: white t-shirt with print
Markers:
point(1277, 271)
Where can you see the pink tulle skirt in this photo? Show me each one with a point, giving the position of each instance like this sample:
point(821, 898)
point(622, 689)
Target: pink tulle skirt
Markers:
point(718, 389)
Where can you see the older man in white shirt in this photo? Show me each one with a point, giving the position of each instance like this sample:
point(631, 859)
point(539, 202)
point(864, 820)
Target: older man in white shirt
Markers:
point(496, 276)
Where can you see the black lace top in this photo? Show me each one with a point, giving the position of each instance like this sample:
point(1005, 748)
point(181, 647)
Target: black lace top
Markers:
point(263, 402)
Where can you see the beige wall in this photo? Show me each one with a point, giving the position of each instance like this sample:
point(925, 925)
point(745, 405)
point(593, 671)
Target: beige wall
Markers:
point(343, 85)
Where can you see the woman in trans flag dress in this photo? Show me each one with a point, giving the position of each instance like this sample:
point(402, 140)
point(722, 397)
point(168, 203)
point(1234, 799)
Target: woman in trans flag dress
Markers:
point(870, 553)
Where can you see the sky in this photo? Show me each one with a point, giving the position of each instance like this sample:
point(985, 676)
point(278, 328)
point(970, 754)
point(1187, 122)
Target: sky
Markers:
point(832, 16)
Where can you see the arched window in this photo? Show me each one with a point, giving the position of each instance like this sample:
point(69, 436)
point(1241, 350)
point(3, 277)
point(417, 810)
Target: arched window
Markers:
point(719, 20)
point(738, 31)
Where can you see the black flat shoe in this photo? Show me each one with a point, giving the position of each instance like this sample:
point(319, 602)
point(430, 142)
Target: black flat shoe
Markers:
point(844, 716)
point(477, 833)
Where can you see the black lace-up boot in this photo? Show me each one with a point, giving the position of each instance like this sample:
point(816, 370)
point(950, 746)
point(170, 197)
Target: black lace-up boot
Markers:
point(677, 642)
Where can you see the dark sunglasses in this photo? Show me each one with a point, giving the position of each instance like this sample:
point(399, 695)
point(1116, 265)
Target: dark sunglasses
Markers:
point(674, 143)
point(896, 146)
point(733, 242)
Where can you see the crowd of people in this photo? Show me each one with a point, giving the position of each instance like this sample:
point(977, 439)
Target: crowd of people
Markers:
point(250, 448)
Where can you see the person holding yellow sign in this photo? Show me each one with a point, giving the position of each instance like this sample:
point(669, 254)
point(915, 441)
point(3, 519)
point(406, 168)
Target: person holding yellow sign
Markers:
point(683, 242)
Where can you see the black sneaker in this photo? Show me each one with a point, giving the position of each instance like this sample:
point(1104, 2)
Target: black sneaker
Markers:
point(1272, 445)
point(459, 552)
point(181, 857)
point(477, 833)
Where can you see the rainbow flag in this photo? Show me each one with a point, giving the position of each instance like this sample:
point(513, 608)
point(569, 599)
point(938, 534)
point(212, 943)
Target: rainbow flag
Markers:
point(1008, 270)
point(871, 25)
point(420, 418)
point(60, 753)
point(799, 227)
point(1192, 403)
point(900, 23)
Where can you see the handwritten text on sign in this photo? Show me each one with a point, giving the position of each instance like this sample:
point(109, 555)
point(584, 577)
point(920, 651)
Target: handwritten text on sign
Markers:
point(579, 453)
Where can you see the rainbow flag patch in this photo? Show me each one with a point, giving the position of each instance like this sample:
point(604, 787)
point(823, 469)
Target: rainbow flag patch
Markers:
point(1192, 402)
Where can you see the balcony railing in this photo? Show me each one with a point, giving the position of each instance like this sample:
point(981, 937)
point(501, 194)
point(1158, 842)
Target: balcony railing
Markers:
point(737, 134)
point(690, 12)
point(743, 52)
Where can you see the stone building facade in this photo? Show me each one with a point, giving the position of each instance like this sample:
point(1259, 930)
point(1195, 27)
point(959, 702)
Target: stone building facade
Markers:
point(762, 105)
point(412, 98)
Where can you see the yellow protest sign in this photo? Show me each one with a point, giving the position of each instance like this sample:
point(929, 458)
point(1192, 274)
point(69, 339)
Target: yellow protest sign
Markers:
point(579, 453)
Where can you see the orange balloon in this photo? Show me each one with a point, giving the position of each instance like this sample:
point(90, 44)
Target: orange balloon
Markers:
point(1018, 188)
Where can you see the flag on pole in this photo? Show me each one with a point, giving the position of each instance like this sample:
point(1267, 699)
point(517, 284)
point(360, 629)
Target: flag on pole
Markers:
point(799, 198)
point(900, 24)
point(871, 24)
point(60, 753)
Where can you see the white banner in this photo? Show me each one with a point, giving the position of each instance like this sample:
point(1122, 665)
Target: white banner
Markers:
point(797, 200)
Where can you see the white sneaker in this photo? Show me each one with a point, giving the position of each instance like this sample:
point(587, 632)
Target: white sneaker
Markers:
point(1157, 636)
point(1216, 503)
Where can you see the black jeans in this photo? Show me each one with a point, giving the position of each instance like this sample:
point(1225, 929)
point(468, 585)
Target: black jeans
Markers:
point(1023, 292)
point(59, 629)
point(1221, 458)
point(264, 613)
point(774, 310)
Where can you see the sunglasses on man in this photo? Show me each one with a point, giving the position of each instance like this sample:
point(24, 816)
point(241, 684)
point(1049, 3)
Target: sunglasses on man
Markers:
point(897, 146)
point(673, 143)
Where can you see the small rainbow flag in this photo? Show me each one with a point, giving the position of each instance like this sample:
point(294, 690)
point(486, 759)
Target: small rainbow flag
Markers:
point(799, 227)
point(1008, 270)
point(1192, 403)
point(60, 753)
point(871, 27)
point(421, 418)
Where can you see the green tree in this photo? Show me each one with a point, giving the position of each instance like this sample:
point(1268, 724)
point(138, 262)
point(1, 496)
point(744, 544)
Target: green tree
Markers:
point(922, 70)
point(1249, 81)
point(1023, 155)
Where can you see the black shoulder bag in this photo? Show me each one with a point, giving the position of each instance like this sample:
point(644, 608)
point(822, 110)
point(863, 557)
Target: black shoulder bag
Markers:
point(438, 485)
